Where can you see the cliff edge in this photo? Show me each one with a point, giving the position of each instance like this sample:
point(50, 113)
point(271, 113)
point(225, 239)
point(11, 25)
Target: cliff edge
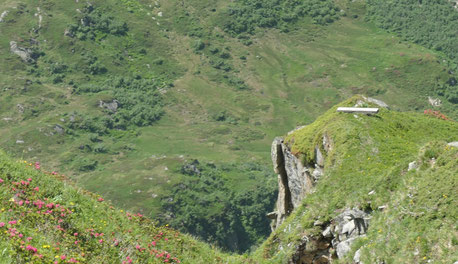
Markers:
point(357, 188)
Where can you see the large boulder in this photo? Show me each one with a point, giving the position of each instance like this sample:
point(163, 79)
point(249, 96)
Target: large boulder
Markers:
point(25, 53)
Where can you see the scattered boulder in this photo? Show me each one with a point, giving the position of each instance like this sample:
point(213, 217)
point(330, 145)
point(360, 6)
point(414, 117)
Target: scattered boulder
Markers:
point(68, 33)
point(19, 141)
point(377, 102)
point(357, 257)
point(453, 144)
point(412, 166)
point(317, 173)
point(348, 226)
point(111, 106)
point(191, 168)
point(3, 15)
point(20, 108)
point(24, 53)
point(434, 101)
point(59, 129)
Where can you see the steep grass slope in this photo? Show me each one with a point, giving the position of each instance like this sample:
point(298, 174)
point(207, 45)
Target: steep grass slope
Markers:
point(413, 213)
point(46, 219)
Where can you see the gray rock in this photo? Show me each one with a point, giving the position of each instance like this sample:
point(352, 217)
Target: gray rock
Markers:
point(319, 159)
point(376, 101)
point(344, 247)
point(68, 33)
point(295, 179)
point(272, 215)
point(349, 225)
point(283, 205)
point(19, 141)
point(317, 173)
point(412, 166)
point(191, 168)
point(357, 257)
point(20, 108)
point(453, 144)
point(3, 15)
point(327, 232)
point(434, 101)
point(111, 106)
point(300, 182)
point(7, 119)
point(24, 53)
point(59, 129)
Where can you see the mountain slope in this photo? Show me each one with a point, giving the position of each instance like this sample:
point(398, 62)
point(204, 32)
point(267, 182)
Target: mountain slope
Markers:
point(409, 214)
point(44, 218)
point(120, 95)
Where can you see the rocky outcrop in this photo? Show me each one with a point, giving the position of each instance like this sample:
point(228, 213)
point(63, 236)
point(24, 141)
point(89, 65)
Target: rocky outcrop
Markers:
point(366, 100)
point(295, 179)
point(3, 15)
point(284, 205)
point(335, 241)
point(346, 228)
point(111, 106)
point(24, 53)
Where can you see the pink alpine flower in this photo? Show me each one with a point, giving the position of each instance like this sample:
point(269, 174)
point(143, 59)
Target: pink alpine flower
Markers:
point(30, 248)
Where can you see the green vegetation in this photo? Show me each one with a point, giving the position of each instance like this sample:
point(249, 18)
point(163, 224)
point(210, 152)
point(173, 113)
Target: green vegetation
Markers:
point(94, 23)
point(204, 204)
point(44, 218)
point(121, 94)
point(372, 153)
point(245, 16)
point(429, 23)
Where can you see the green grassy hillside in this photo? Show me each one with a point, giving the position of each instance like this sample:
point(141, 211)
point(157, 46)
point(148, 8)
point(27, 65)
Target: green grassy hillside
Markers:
point(206, 80)
point(367, 168)
point(46, 218)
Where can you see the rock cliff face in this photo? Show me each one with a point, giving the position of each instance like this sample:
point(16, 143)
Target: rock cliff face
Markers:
point(295, 179)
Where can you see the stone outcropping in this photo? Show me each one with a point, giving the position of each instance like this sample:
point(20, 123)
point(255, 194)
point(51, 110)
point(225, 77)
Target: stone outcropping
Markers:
point(295, 179)
point(111, 106)
point(335, 241)
point(24, 53)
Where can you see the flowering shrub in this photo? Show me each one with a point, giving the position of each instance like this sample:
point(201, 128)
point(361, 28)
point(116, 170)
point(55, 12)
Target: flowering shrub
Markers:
point(42, 223)
point(436, 114)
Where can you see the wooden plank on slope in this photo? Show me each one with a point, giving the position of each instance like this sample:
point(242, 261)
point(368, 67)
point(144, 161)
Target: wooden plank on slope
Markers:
point(358, 110)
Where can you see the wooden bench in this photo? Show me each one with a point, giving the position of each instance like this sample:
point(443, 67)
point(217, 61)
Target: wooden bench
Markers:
point(358, 110)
